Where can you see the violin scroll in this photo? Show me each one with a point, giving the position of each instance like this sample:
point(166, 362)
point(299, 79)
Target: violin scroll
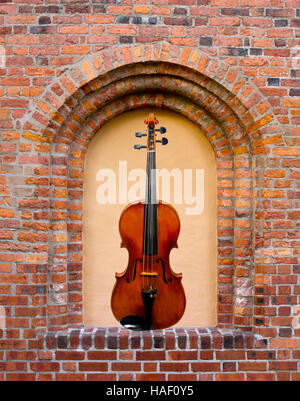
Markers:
point(151, 121)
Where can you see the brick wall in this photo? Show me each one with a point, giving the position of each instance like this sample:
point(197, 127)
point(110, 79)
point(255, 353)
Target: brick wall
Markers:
point(231, 67)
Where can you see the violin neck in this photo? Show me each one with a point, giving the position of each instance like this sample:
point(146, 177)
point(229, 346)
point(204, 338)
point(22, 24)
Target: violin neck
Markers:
point(150, 208)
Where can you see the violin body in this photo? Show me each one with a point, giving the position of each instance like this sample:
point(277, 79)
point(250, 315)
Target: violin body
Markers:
point(149, 271)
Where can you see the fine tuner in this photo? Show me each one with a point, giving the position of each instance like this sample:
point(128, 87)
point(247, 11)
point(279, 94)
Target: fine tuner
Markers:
point(163, 141)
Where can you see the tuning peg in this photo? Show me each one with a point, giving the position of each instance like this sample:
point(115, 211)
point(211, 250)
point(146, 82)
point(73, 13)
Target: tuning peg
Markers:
point(139, 147)
point(163, 141)
point(162, 130)
point(139, 134)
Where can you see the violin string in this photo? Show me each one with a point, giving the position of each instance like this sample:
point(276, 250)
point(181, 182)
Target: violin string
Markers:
point(153, 205)
point(145, 226)
point(144, 239)
point(151, 208)
point(150, 222)
point(150, 215)
point(146, 221)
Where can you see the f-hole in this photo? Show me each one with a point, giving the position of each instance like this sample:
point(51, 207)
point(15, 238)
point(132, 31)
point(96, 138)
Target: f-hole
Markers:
point(134, 271)
point(164, 271)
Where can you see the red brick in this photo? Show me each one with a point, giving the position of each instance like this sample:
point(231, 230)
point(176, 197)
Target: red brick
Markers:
point(126, 366)
point(16, 377)
point(224, 21)
point(101, 377)
point(230, 376)
point(9, 366)
point(261, 376)
point(69, 377)
point(174, 366)
point(72, 49)
point(254, 366)
point(70, 355)
point(93, 366)
point(44, 366)
point(283, 365)
point(150, 355)
point(150, 377)
point(102, 355)
point(16, 81)
point(99, 19)
point(182, 355)
point(284, 342)
point(205, 366)
point(230, 354)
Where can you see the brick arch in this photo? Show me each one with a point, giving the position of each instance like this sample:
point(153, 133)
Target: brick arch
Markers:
point(215, 75)
point(213, 106)
point(227, 109)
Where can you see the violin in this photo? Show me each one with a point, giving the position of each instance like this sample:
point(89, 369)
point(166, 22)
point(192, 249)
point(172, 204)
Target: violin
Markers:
point(148, 294)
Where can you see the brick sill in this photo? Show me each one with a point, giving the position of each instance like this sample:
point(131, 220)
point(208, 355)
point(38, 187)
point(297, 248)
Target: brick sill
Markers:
point(115, 338)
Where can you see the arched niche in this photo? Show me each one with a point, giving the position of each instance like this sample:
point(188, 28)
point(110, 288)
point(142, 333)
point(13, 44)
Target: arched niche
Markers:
point(228, 108)
point(192, 157)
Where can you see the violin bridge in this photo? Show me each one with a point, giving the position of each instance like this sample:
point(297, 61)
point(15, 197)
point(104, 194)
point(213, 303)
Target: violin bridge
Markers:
point(153, 274)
